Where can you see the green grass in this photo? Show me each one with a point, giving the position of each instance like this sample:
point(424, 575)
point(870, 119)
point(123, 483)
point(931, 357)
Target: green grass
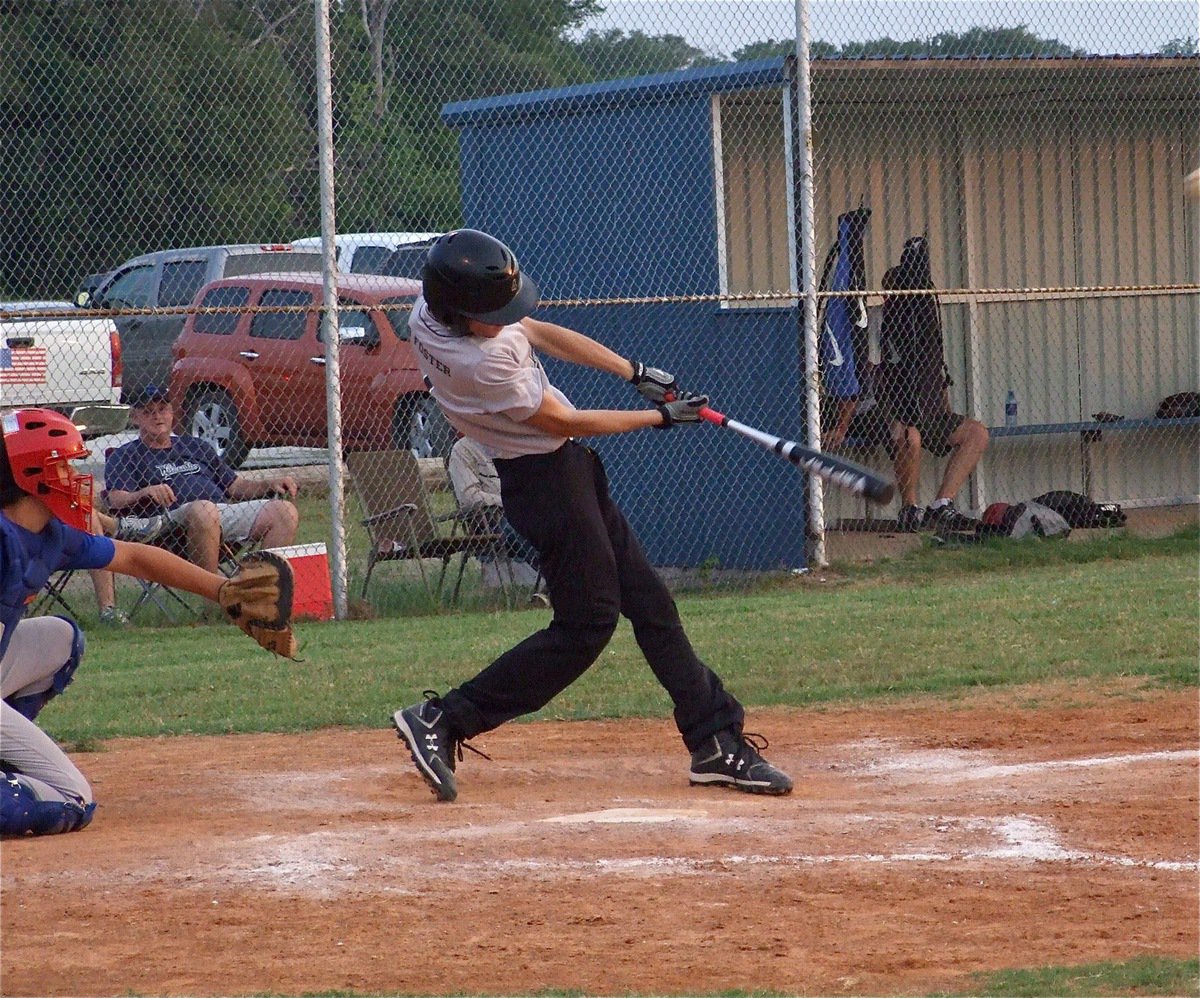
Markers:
point(1149, 975)
point(883, 633)
point(1144, 976)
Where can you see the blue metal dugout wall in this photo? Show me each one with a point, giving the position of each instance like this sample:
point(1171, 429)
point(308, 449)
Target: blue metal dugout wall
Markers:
point(608, 191)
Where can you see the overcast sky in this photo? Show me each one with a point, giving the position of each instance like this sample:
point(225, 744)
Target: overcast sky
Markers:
point(721, 26)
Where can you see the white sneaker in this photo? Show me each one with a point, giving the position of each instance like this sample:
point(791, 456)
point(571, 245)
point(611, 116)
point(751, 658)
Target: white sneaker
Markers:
point(113, 616)
point(141, 529)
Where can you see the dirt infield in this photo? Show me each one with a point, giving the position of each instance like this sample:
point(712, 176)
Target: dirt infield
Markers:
point(925, 842)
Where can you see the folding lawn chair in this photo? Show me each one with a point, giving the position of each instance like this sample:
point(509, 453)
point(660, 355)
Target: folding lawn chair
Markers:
point(402, 526)
point(53, 595)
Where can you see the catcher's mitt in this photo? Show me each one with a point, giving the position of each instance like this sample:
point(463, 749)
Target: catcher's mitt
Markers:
point(258, 598)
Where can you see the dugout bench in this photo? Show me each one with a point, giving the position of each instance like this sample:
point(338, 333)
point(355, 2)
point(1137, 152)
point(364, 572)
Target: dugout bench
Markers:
point(1090, 432)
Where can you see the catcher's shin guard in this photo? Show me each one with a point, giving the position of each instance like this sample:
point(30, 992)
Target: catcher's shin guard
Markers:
point(23, 812)
point(31, 704)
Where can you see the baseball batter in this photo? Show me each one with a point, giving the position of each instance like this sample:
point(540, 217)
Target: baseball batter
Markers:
point(477, 346)
point(45, 513)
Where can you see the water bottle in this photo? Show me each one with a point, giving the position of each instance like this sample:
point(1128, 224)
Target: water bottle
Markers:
point(1010, 409)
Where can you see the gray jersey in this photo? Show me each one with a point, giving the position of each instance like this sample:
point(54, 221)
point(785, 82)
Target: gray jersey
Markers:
point(487, 387)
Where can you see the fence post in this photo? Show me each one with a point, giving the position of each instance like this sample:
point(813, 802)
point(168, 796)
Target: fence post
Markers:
point(329, 314)
point(802, 115)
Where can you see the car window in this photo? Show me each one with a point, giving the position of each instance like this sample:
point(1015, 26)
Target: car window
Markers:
point(181, 280)
point(241, 264)
point(405, 261)
point(281, 325)
point(131, 289)
point(221, 324)
point(356, 327)
point(398, 317)
point(367, 259)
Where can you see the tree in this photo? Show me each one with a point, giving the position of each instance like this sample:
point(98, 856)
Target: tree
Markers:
point(613, 54)
point(774, 49)
point(374, 19)
point(400, 170)
point(1180, 46)
point(993, 42)
point(131, 126)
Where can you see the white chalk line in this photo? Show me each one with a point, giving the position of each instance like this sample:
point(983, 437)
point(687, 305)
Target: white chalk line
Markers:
point(944, 765)
point(385, 856)
point(321, 860)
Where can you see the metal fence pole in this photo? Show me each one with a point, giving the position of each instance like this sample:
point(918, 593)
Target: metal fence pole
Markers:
point(808, 272)
point(329, 314)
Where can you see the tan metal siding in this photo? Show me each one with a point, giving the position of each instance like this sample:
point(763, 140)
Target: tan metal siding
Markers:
point(1057, 197)
point(754, 199)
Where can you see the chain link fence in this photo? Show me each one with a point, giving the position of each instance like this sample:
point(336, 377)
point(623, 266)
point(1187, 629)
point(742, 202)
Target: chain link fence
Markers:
point(919, 213)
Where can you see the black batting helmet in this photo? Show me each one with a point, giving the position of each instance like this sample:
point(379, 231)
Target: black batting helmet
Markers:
point(471, 274)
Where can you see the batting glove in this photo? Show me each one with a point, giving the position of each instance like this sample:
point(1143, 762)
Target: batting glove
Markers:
point(653, 383)
point(685, 409)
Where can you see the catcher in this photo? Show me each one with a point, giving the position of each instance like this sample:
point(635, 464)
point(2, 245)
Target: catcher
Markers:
point(45, 513)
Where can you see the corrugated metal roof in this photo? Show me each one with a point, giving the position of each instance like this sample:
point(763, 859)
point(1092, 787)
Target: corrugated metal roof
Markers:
point(1159, 77)
point(762, 73)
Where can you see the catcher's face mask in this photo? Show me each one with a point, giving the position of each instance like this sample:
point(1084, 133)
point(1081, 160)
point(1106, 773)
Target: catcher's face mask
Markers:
point(41, 445)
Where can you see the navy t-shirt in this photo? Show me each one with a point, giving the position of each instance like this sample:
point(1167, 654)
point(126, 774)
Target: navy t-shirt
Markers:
point(27, 560)
point(190, 466)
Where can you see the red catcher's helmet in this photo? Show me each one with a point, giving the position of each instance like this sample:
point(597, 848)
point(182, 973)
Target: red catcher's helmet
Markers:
point(41, 445)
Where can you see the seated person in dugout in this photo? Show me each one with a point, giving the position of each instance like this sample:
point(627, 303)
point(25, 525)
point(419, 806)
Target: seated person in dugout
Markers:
point(180, 484)
point(902, 403)
point(913, 388)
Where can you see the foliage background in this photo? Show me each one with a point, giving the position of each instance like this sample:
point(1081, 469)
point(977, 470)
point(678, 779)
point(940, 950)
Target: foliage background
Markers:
point(168, 123)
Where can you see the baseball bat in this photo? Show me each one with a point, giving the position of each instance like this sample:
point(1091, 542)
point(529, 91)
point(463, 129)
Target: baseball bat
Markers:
point(837, 471)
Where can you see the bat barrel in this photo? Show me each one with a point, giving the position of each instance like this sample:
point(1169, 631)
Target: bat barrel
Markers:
point(844, 474)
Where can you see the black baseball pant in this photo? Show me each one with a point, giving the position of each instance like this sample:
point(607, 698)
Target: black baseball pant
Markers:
point(595, 571)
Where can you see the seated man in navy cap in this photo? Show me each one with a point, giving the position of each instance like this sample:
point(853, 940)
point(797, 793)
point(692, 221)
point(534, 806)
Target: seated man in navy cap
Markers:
point(180, 483)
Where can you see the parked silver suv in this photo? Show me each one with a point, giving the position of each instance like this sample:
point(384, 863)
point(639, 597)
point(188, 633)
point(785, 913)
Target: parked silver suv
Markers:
point(169, 279)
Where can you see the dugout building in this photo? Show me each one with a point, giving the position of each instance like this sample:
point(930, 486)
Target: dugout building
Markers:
point(1026, 173)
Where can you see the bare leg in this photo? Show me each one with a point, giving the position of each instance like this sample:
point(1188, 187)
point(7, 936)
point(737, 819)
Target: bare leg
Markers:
point(907, 440)
point(276, 525)
point(201, 521)
point(969, 441)
point(102, 581)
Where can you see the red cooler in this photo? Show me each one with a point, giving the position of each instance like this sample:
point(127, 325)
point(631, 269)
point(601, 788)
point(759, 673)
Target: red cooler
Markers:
point(313, 597)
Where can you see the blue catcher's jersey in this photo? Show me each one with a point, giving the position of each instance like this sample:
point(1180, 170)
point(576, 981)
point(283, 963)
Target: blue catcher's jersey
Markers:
point(27, 560)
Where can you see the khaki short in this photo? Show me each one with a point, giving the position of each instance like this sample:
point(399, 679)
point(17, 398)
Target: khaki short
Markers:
point(237, 518)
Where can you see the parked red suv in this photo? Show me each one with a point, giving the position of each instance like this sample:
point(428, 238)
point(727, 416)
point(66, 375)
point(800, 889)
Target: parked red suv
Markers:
point(256, 377)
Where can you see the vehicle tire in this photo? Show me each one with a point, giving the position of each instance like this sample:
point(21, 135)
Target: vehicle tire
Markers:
point(419, 426)
point(212, 416)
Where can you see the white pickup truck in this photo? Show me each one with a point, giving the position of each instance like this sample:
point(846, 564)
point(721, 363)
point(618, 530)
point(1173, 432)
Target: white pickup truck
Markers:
point(53, 358)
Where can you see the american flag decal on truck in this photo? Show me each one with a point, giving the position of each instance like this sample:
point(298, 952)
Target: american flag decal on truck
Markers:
point(22, 365)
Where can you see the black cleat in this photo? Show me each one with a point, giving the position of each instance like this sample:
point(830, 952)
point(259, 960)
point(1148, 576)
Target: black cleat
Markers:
point(947, 519)
point(732, 760)
point(424, 730)
point(910, 519)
